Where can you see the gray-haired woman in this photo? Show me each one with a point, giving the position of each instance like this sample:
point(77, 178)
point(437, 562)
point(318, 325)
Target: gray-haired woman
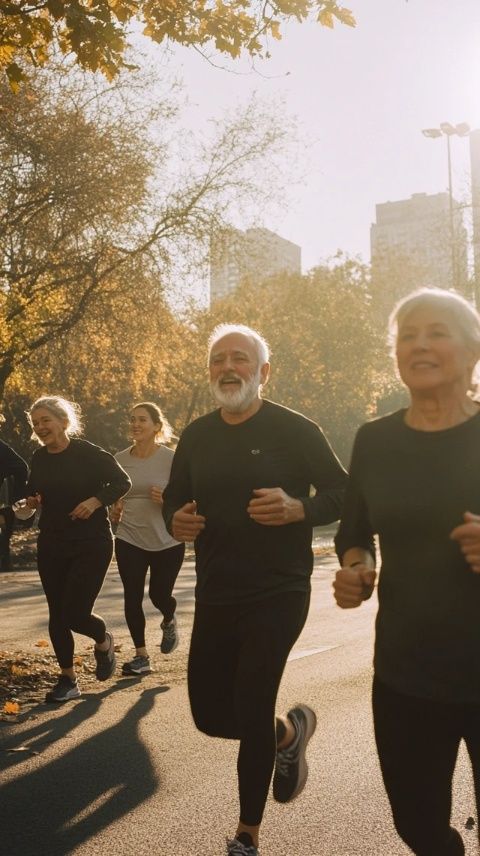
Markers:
point(72, 482)
point(415, 481)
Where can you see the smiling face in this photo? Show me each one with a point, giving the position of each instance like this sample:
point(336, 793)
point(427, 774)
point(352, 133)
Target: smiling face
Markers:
point(431, 352)
point(235, 373)
point(142, 426)
point(51, 430)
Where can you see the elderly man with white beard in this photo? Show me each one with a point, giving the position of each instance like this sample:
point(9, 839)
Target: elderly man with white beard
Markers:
point(240, 488)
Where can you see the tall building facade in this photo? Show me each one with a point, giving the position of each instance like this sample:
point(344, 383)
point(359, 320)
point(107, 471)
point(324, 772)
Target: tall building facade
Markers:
point(256, 254)
point(418, 237)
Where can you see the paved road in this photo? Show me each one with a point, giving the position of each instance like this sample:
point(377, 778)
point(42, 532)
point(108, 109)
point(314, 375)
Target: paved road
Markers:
point(122, 771)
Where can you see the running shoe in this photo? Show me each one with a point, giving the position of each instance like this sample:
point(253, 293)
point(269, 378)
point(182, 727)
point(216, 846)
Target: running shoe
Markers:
point(291, 769)
point(106, 660)
point(170, 637)
point(140, 665)
point(64, 690)
point(236, 848)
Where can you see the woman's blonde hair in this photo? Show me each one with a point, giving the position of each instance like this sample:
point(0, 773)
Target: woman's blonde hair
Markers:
point(62, 408)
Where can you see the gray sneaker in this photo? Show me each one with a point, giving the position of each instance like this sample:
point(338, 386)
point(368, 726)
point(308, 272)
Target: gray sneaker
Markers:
point(140, 665)
point(170, 637)
point(64, 690)
point(106, 660)
point(236, 848)
point(291, 769)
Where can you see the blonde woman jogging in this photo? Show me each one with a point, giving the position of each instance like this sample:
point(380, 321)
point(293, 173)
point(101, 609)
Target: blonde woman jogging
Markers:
point(142, 541)
point(72, 481)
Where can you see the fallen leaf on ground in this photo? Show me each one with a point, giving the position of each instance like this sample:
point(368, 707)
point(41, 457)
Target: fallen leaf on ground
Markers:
point(42, 643)
point(11, 707)
point(19, 670)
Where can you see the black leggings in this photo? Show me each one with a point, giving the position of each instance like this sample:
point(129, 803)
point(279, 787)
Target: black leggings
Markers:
point(237, 657)
point(417, 743)
point(72, 574)
point(133, 563)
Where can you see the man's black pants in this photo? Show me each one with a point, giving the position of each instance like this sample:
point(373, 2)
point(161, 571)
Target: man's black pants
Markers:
point(237, 657)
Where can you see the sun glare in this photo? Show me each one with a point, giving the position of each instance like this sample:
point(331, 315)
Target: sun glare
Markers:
point(470, 76)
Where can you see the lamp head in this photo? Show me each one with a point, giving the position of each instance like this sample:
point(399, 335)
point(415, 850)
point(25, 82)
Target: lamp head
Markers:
point(447, 128)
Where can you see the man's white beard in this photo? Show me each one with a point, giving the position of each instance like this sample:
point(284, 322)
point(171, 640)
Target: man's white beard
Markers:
point(241, 399)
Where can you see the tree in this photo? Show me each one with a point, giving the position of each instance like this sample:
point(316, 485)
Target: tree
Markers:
point(118, 353)
point(91, 206)
point(96, 31)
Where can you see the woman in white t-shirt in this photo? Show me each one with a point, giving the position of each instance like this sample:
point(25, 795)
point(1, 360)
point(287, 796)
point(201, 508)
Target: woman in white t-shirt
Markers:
point(141, 539)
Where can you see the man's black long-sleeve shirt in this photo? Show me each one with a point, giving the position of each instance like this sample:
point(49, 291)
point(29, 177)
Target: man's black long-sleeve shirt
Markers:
point(219, 466)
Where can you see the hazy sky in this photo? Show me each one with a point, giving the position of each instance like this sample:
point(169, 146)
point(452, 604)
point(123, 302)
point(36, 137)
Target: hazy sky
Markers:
point(362, 96)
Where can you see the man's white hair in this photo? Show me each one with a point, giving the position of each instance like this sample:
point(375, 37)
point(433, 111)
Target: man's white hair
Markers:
point(261, 345)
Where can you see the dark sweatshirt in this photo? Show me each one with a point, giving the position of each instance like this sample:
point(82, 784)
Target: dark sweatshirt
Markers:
point(412, 488)
point(64, 479)
point(14, 467)
point(219, 466)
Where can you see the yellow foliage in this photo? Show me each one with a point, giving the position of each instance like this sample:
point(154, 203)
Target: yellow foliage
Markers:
point(6, 53)
point(275, 30)
point(97, 32)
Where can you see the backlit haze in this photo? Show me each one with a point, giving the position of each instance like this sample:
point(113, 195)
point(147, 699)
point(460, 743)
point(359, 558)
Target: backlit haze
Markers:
point(362, 97)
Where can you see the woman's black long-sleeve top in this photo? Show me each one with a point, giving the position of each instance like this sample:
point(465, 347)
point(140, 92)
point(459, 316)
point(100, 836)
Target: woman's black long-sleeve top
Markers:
point(63, 479)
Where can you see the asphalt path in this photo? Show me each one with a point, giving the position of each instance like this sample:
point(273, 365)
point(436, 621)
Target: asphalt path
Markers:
point(123, 772)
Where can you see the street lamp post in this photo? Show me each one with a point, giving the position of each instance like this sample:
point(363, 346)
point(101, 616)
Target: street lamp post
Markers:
point(448, 130)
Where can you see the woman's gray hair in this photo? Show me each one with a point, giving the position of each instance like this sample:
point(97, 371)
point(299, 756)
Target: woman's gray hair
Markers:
point(62, 409)
point(461, 311)
point(261, 345)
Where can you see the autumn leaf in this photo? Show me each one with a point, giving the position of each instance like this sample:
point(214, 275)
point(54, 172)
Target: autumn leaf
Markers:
point(7, 52)
point(275, 30)
point(42, 643)
point(18, 671)
point(11, 707)
point(15, 76)
point(326, 19)
point(346, 17)
point(56, 8)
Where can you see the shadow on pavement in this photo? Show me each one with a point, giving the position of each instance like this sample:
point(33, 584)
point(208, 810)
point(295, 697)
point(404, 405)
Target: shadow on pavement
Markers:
point(50, 810)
